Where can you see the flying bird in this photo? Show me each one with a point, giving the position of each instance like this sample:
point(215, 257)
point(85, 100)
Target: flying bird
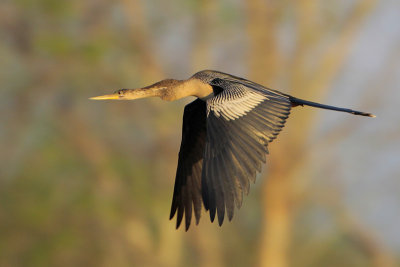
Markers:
point(225, 137)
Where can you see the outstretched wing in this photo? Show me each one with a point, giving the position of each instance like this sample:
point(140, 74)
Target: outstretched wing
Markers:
point(241, 120)
point(187, 190)
point(224, 142)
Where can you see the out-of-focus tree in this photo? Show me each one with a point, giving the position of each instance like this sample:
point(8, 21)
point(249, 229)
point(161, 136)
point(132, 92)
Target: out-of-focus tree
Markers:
point(310, 30)
point(90, 184)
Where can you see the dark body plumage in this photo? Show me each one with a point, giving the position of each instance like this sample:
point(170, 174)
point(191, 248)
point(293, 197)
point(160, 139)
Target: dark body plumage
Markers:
point(225, 137)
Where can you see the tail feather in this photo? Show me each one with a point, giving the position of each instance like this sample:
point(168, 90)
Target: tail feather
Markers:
point(300, 102)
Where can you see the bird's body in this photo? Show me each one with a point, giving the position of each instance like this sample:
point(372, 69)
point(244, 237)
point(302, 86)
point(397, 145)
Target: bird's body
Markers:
point(225, 137)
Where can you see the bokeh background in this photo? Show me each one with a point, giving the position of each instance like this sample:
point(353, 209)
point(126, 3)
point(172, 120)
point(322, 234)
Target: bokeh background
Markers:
point(85, 183)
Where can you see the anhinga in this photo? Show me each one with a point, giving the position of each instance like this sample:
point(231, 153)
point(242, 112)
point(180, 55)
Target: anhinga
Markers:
point(225, 137)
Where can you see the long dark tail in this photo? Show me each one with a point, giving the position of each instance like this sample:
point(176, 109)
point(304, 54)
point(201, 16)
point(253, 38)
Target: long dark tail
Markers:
point(299, 102)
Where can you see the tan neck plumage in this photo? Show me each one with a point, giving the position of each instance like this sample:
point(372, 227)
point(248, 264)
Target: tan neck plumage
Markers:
point(190, 87)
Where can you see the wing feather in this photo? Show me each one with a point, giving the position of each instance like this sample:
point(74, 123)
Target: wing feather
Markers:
point(241, 121)
point(187, 190)
point(224, 143)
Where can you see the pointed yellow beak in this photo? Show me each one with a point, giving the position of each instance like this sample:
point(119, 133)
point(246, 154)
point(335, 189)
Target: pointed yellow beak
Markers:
point(106, 97)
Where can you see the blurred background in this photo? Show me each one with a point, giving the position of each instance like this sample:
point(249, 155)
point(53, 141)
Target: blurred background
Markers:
point(85, 183)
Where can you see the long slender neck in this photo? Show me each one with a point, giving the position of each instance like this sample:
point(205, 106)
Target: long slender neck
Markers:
point(171, 90)
point(131, 94)
point(190, 87)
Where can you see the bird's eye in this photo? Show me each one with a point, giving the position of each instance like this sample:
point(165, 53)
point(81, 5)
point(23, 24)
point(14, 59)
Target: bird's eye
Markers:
point(121, 91)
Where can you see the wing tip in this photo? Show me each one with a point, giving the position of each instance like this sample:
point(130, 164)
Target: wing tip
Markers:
point(172, 213)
